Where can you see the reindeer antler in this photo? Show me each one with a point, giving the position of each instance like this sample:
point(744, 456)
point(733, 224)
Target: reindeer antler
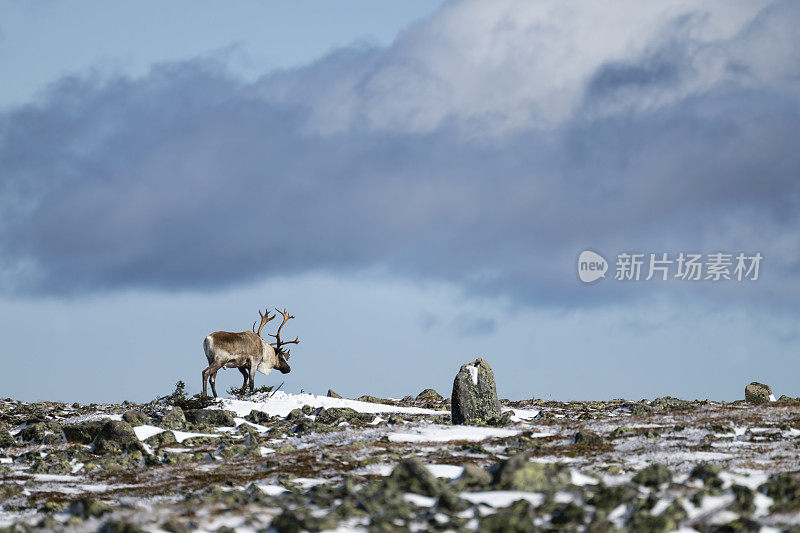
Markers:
point(278, 342)
point(264, 319)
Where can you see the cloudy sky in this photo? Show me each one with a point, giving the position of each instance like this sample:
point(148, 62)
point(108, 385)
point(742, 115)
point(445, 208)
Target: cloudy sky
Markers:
point(413, 180)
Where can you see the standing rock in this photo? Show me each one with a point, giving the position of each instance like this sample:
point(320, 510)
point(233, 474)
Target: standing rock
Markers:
point(758, 393)
point(475, 395)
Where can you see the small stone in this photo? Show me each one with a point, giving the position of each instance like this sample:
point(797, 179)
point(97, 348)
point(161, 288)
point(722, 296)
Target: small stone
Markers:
point(475, 395)
point(757, 393)
point(332, 394)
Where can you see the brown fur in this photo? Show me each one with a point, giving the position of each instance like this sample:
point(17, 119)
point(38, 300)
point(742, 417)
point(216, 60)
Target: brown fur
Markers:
point(244, 350)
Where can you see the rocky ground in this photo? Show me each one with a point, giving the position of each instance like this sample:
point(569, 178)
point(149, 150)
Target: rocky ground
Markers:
point(294, 462)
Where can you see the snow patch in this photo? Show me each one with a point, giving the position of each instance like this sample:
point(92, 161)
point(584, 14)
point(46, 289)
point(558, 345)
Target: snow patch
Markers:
point(473, 372)
point(419, 500)
point(181, 436)
point(448, 471)
point(282, 403)
point(145, 432)
point(439, 433)
point(580, 479)
point(502, 498)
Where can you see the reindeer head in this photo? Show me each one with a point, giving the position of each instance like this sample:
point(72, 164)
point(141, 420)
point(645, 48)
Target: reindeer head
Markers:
point(282, 354)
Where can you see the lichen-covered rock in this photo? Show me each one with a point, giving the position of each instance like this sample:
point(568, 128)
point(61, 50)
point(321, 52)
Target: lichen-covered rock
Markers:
point(588, 438)
point(516, 518)
point(334, 415)
point(473, 478)
point(89, 507)
point(212, 417)
point(784, 489)
point(332, 394)
point(668, 403)
point(757, 393)
point(174, 419)
point(161, 439)
point(410, 475)
point(518, 473)
point(43, 433)
point(708, 474)
point(135, 417)
point(258, 417)
point(474, 399)
point(653, 475)
point(84, 432)
point(6, 439)
point(429, 395)
point(607, 498)
point(116, 436)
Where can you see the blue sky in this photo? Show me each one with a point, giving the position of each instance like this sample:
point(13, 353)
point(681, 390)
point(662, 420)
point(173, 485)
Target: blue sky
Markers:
point(414, 181)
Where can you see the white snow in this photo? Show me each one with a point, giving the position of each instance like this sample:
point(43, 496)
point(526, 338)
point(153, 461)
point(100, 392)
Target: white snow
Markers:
point(440, 433)
point(473, 372)
point(580, 479)
point(145, 432)
point(282, 403)
point(448, 471)
point(502, 498)
point(181, 436)
point(271, 490)
point(419, 500)
point(266, 451)
point(5, 460)
point(517, 415)
point(772, 398)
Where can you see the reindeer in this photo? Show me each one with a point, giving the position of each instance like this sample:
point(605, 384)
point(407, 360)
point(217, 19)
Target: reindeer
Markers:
point(247, 351)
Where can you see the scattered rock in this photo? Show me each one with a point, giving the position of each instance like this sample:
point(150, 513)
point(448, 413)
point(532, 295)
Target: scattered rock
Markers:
point(410, 475)
point(136, 418)
point(212, 417)
point(116, 436)
point(757, 393)
point(517, 517)
point(784, 489)
point(653, 475)
point(474, 399)
point(43, 433)
point(174, 419)
point(332, 394)
point(588, 438)
point(89, 508)
point(85, 432)
point(429, 395)
point(518, 473)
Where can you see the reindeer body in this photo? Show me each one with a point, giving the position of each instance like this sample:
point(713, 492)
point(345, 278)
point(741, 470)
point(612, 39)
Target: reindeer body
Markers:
point(245, 350)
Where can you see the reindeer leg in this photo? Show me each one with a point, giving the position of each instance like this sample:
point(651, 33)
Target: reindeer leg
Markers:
point(252, 376)
point(211, 374)
point(243, 370)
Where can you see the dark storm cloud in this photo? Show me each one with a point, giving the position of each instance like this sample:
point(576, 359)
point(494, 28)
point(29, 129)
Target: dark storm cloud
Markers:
point(189, 178)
